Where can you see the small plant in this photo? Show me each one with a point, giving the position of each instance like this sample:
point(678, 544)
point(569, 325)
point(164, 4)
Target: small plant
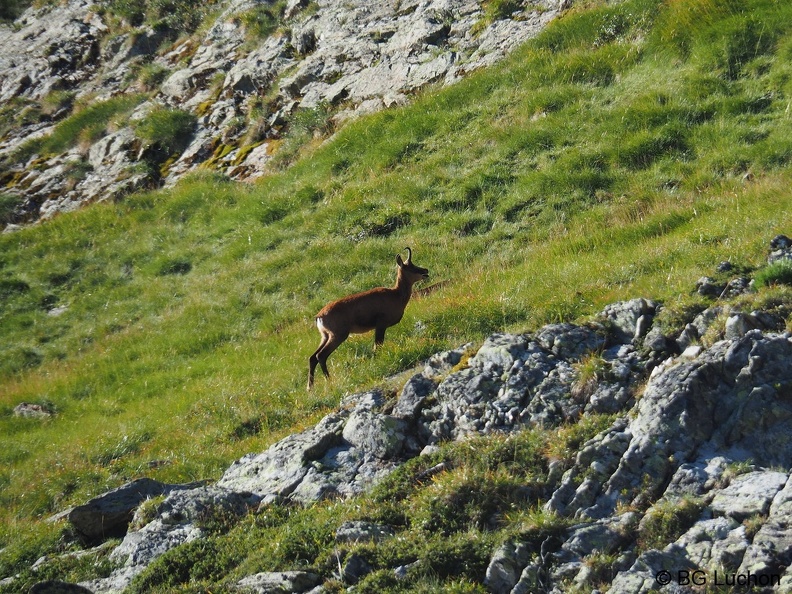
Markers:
point(305, 125)
point(567, 440)
point(494, 10)
point(778, 273)
point(668, 520)
point(601, 568)
point(753, 524)
point(146, 512)
point(9, 205)
point(151, 76)
point(171, 266)
point(56, 101)
point(168, 128)
point(263, 20)
point(591, 371)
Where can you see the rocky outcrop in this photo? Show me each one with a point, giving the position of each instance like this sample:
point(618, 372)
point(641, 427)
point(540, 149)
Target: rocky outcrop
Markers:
point(109, 515)
point(366, 56)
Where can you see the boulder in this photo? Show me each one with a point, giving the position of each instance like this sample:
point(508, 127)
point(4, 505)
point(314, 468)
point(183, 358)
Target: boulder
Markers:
point(109, 514)
point(749, 495)
point(57, 587)
point(358, 531)
point(30, 410)
point(279, 582)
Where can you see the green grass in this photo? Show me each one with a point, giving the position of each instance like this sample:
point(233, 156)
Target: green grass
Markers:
point(778, 273)
point(11, 9)
point(169, 128)
point(603, 161)
point(87, 124)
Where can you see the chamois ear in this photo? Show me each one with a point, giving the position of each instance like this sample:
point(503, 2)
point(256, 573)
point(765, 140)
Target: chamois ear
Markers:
point(399, 261)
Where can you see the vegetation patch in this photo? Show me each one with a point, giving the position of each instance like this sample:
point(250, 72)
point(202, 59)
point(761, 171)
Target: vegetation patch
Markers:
point(668, 520)
point(167, 128)
point(778, 273)
point(87, 123)
point(263, 20)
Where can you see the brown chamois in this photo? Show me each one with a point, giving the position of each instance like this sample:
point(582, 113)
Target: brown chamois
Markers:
point(377, 309)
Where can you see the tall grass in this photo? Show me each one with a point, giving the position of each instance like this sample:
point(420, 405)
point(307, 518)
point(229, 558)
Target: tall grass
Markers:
point(603, 161)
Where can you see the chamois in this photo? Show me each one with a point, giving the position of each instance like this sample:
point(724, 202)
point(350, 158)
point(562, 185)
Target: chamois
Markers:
point(376, 309)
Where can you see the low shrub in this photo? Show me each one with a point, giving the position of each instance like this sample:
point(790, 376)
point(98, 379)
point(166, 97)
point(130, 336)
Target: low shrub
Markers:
point(778, 273)
point(168, 128)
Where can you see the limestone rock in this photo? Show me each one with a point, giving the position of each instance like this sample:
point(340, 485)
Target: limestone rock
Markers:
point(355, 532)
point(35, 411)
point(108, 515)
point(279, 582)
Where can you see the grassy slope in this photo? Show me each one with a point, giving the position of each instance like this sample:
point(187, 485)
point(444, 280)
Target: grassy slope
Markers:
point(602, 161)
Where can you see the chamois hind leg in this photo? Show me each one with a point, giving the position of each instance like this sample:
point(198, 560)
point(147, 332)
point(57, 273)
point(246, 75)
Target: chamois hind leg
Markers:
point(334, 340)
point(314, 360)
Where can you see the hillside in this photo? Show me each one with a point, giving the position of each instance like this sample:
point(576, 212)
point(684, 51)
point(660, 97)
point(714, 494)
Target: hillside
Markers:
point(626, 152)
point(108, 98)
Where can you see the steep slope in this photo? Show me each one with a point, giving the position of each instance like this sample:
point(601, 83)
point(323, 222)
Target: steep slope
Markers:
point(625, 152)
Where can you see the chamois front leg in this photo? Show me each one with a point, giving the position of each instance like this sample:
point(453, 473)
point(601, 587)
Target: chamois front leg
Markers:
point(379, 336)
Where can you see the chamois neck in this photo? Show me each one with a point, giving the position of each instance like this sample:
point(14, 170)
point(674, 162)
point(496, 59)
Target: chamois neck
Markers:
point(403, 286)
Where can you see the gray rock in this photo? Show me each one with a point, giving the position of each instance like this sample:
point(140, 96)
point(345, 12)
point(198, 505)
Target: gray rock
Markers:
point(57, 587)
point(749, 494)
point(381, 436)
point(715, 544)
point(780, 249)
point(709, 287)
point(602, 536)
point(277, 472)
point(738, 325)
point(413, 396)
point(569, 341)
point(109, 515)
point(34, 411)
point(771, 548)
point(182, 517)
point(358, 531)
point(624, 317)
point(506, 566)
point(279, 582)
point(696, 478)
point(355, 568)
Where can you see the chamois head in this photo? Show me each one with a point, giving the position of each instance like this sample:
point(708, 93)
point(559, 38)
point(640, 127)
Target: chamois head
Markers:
point(409, 271)
point(376, 309)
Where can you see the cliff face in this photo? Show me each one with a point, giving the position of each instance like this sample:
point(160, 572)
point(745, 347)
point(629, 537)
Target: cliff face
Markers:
point(237, 85)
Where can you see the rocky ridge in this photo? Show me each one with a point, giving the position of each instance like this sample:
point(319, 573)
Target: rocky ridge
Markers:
point(342, 58)
point(700, 433)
